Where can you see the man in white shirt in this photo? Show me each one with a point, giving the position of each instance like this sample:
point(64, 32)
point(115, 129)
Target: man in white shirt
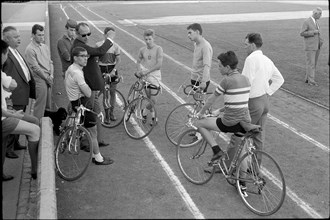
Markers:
point(260, 70)
point(78, 93)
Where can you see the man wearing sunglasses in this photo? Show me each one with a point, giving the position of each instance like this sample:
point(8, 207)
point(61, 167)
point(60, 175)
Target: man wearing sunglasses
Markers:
point(92, 72)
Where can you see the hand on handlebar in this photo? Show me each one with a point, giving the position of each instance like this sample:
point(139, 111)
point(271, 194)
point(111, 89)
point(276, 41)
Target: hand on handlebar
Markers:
point(100, 116)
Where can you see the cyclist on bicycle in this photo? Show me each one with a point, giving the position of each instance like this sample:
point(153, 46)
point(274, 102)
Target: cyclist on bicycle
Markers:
point(107, 64)
point(149, 63)
point(236, 89)
point(78, 93)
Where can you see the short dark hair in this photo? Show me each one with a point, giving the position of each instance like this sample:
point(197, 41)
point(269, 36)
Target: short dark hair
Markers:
point(149, 32)
point(70, 23)
point(195, 27)
point(4, 47)
point(254, 38)
point(77, 50)
point(37, 27)
point(228, 59)
point(81, 24)
point(8, 28)
point(107, 29)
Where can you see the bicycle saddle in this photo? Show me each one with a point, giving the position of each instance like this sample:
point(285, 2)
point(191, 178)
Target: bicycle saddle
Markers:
point(248, 127)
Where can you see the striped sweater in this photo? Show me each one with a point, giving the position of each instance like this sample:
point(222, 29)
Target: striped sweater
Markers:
point(236, 89)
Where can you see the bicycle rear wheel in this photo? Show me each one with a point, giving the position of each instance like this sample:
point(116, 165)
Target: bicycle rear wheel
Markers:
point(193, 160)
point(265, 184)
point(72, 162)
point(137, 126)
point(177, 122)
point(117, 109)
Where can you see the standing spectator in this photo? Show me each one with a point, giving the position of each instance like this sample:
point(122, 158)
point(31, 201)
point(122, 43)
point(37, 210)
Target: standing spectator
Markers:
point(107, 64)
point(202, 60)
point(16, 67)
point(16, 122)
point(64, 45)
point(78, 92)
point(38, 57)
point(310, 30)
point(92, 72)
point(260, 70)
point(149, 63)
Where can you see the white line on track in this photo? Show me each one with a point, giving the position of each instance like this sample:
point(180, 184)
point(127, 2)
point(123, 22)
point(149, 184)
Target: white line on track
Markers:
point(306, 137)
point(191, 205)
point(176, 182)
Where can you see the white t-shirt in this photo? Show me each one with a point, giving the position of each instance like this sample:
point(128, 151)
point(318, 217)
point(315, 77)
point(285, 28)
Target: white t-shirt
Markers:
point(5, 83)
point(74, 79)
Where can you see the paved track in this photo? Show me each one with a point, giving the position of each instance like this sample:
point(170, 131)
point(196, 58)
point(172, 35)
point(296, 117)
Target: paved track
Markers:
point(145, 182)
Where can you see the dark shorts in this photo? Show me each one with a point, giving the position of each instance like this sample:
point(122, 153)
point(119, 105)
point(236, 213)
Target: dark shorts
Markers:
point(196, 83)
point(231, 129)
point(9, 124)
point(89, 119)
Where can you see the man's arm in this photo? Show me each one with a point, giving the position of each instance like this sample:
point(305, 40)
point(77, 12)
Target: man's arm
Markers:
point(138, 61)
point(277, 81)
point(63, 51)
point(307, 31)
point(207, 59)
point(31, 59)
point(98, 51)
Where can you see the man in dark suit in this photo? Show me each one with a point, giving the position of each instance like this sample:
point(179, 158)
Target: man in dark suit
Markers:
point(310, 30)
point(16, 67)
point(92, 72)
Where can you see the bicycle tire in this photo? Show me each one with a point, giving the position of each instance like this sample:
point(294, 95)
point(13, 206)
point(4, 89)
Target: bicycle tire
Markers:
point(135, 126)
point(265, 184)
point(71, 165)
point(118, 109)
point(193, 160)
point(177, 122)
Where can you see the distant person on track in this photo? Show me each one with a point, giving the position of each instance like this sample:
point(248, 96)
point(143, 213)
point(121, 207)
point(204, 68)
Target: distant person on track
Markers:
point(64, 44)
point(107, 64)
point(92, 72)
point(37, 55)
point(202, 60)
point(236, 89)
point(17, 122)
point(79, 93)
point(260, 70)
point(310, 30)
point(149, 63)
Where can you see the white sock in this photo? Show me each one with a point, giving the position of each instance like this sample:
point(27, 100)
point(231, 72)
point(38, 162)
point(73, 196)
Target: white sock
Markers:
point(98, 157)
point(153, 114)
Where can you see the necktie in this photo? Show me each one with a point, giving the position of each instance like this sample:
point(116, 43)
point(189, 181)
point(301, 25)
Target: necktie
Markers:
point(23, 65)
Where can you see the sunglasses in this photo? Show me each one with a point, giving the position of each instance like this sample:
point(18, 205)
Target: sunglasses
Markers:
point(84, 35)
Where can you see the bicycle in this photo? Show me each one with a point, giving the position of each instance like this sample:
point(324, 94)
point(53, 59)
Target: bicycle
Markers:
point(71, 161)
point(119, 104)
point(179, 119)
point(140, 125)
point(260, 186)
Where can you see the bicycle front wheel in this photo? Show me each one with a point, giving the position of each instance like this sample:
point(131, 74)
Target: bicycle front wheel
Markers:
point(114, 115)
point(265, 185)
point(139, 124)
point(177, 122)
point(72, 162)
point(193, 160)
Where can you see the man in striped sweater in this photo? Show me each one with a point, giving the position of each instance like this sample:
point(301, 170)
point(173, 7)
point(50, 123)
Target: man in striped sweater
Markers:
point(236, 89)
